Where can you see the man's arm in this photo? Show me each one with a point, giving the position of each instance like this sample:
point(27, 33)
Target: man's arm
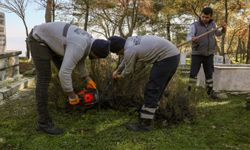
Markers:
point(121, 67)
point(224, 29)
point(72, 56)
point(117, 73)
point(128, 62)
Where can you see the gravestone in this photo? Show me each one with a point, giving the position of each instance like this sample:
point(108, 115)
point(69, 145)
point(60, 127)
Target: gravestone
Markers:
point(9, 65)
point(183, 57)
point(2, 33)
point(218, 60)
point(228, 77)
point(10, 79)
point(232, 77)
point(9, 60)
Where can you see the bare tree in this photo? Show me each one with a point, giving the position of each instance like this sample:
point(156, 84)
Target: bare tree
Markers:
point(18, 7)
point(248, 46)
point(49, 11)
point(50, 7)
point(125, 16)
point(223, 36)
point(82, 10)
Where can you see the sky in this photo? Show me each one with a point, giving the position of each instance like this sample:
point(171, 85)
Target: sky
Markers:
point(15, 30)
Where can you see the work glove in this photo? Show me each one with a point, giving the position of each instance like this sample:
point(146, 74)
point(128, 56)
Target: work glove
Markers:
point(74, 101)
point(90, 84)
point(116, 75)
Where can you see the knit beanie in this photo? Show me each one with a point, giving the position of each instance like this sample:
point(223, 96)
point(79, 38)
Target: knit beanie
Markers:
point(117, 43)
point(100, 48)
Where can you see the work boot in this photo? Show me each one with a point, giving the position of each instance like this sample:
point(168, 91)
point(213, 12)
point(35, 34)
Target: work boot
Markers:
point(213, 95)
point(49, 128)
point(141, 125)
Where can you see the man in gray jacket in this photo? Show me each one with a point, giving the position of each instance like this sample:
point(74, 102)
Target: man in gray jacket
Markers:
point(67, 46)
point(203, 48)
point(147, 49)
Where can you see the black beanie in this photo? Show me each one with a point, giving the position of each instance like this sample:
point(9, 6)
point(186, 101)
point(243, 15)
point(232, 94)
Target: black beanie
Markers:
point(100, 48)
point(117, 43)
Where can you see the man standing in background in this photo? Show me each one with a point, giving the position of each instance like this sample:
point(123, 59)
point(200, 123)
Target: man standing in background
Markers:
point(203, 48)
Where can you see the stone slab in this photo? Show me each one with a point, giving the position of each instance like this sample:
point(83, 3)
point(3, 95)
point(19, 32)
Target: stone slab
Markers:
point(228, 78)
point(10, 72)
point(12, 88)
point(232, 78)
point(9, 53)
point(8, 62)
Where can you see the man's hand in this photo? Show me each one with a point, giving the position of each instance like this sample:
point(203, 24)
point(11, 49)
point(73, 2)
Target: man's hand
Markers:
point(73, 98)
point(195, 39)
point(91, 84)
point(223, 24)
point(115, 75)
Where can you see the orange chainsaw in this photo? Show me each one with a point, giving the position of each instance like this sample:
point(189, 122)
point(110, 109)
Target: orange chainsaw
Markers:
point(88, 97)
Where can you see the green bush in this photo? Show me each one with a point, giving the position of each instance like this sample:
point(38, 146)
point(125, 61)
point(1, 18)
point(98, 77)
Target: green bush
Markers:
point(128, 93)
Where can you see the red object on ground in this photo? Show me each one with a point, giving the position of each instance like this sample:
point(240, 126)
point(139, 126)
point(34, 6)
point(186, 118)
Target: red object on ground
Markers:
point(88, 97)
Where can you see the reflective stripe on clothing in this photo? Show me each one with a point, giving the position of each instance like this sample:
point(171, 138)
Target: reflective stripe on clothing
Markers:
point(146, 116)
point(150, 110)
point(147, 113)
point(209, 82)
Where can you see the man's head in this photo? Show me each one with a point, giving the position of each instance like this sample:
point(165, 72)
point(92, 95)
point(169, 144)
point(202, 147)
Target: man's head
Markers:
point(117, 44)
point(99, 49)
point(206, 15)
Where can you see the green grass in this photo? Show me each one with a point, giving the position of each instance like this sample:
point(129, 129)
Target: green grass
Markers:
point(219, 125)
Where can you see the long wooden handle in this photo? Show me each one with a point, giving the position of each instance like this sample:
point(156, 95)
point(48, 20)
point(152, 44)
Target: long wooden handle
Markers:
point(199, 36)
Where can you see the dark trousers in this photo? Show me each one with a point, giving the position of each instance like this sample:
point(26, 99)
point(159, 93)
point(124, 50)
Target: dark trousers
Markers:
point(160, 75)
point(42, 55)
point(208, 66)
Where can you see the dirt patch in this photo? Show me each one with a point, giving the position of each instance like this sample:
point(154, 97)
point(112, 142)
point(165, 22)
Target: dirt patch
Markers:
point(25, 66)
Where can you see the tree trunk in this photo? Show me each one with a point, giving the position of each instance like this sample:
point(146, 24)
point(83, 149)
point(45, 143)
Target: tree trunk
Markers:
point(168, 28)
point(238, 50)
point(27, 33)
point(53, 11)
point(217, 48)
point(248, 46)
point(243, 49)
point(86, 15)
point(224, 35)
point(48, 11)
point(236, 56)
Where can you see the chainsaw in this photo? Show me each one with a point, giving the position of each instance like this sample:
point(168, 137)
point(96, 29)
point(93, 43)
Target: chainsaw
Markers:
point(88, 97)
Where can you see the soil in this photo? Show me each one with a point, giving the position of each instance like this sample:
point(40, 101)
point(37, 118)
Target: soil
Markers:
point(25, 66)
